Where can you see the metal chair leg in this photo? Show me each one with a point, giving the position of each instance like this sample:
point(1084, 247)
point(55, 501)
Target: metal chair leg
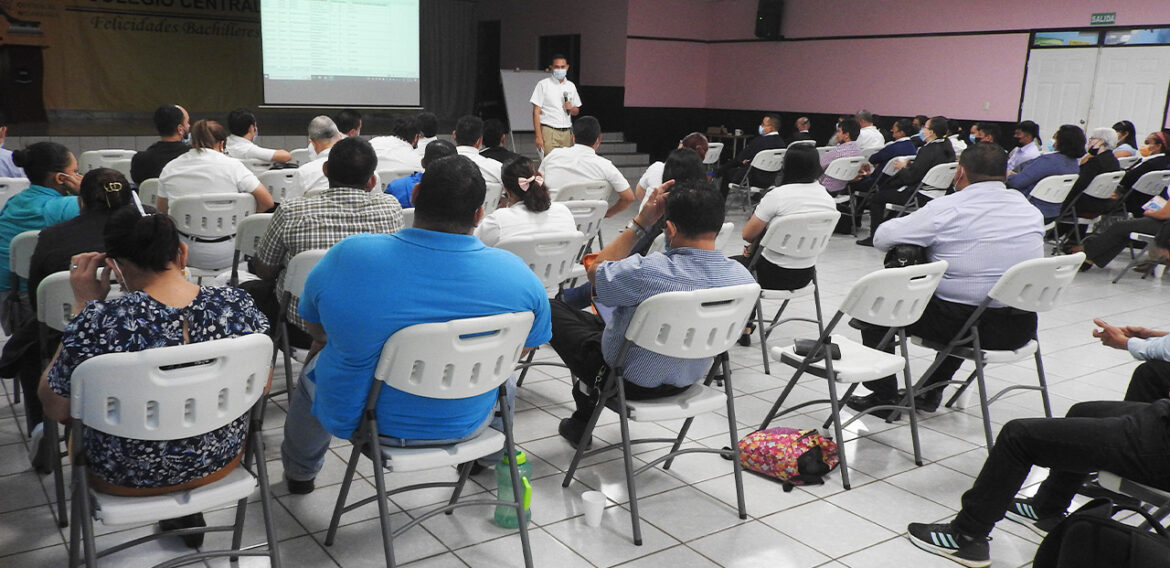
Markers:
point(983, 406)
point(1043, 381)
point(910, 395)
point(518, 488)
point(732, 428)
point(628, 460)
point(346, 482)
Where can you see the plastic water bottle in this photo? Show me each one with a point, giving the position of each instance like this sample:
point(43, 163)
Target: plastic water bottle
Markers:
point(506, 516)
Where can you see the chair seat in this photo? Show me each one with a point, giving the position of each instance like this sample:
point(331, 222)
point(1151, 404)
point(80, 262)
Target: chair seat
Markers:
point(117, 510)
point(857, 363)
point(787, 294)
point(414, 459)
point(753, 188)
point(989, 355)
point(1143, 237)
point(696, 400)
point(1118, 484)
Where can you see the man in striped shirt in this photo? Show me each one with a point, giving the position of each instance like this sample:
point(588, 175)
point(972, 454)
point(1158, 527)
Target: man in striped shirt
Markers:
point(589, 345)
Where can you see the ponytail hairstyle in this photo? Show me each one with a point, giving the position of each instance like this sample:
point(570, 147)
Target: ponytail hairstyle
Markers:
point(150, 242)
point(104, 189)
point(1126, 133)
point(205, 134)
point(41, 161)
point(530, 191)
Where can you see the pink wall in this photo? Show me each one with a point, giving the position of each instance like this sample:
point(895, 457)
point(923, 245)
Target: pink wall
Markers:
point(602, 26)
point(666, 74)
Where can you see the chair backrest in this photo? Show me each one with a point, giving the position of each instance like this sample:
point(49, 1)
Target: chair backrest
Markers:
point(1128, 161)
point(1152, 183)
point(387, 175)
point(250, 232)
point(941, 176)
point(721, 239)
point(20, 252)
point(300, 156)
point(769, 160)
point(10, 187)
point(298, 269)
point(845, 169)
point(551, 257)
point(148, 191)
point(694, 324)
point(1053, 189)
point(867, 152)
point(408, 217)
point(894, 297)
point(714, 150)
point(588, 215)
point(491, 198)
point(1035, 285)
point(455, 359)
point(592, 190)
point(212, 215)
point(802, 235)
point(812, 143)
point(122, 166)
point(94, 159)
point(55, 300)
point(281, 184)
point(822, 150)
point(256, 166)
point(171, 393)
point(1104, 185)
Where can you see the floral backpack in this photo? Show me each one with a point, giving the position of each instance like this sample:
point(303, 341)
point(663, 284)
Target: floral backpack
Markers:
point(794, 457)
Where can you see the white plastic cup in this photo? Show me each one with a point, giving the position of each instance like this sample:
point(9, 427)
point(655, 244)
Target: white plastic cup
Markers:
point(739, 132)
point(594, 505)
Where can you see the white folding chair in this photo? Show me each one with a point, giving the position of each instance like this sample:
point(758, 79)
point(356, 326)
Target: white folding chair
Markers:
point(812, 143)
point(891, 297)
point(937, 181)
point(281, 184)
point(148, 192)
point(699, 324)
point(1054, 190)
point(11, 186)
point(121, 166)
point(20, 252)
point(711, 158)
point(94, 159)
point(867, 152)
point(1128, 162)
point(721, 239)
point(1031, 286)
point(1156, 502)
point(588, 215)
point(256, 166)
point(212, 217)
point(295, 275)
point(769, 161)
point(1103, 186)
point(387, 175)
point(54, 307)
point(408, 217)
point(592, 190)
point(491, 198)
point(248, 236)
point(451, 360)
point(300, 156)
point(172, 393)
point(551, 257)
point(1150, 184)
point(802, 235)
point(847, 169)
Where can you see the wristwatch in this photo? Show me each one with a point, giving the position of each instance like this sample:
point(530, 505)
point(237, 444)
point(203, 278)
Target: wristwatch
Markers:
point(633, 225)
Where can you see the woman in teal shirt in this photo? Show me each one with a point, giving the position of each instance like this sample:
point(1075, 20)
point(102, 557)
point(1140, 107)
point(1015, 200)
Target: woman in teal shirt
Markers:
point(50, 199)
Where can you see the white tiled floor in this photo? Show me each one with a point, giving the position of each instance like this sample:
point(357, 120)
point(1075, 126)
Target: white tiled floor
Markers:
point(688, 512)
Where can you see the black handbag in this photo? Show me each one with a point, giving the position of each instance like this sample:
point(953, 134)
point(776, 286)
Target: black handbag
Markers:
point(1091, 538)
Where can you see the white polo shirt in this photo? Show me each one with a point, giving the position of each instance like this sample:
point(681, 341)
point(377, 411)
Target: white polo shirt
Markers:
point(488, 167)
point(651, 179)
point(395, 153)
point(241, 148)
point(549, 95)
point(311, 176)
point(870, 137)
point(203, 171)
point(579, 163)
point(790, 199)
point(519, 221)
point(420, 147)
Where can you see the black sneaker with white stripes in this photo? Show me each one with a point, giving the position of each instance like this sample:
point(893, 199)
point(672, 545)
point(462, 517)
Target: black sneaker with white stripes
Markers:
point(945, 541)
point(1023, 511)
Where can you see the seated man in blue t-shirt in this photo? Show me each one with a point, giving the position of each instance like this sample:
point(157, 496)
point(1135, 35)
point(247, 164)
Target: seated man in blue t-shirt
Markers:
point(401, 188)
point(588, 345)
point(450, 275)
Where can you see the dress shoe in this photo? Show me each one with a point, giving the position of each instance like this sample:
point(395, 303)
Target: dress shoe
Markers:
point(187, 522)
point(866, 242)
point(573, 431)
point(863, 403)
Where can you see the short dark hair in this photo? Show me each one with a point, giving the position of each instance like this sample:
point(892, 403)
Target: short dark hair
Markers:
point(429, 123)
point(40, 160)
point(695, 208)
point(436, 149)
point(557, 56)
point(921, 118)
point(448, 195)
point(148, 242)
point(1030, 128)
point(240, 120)
point(493, 130)
point(773, 119)
point(851, 127)
point(984, 161)
point(536, 197)
point(939, 125)
point(1070, 141)
point(586, 130)
point(348, 119)
point(906, 126)
point(104, 189)
point(683, 165)
point(802, 164)
point(988, 128)
point(468, 130)
point(167, 119)
point(351, 163)
point(405, 127)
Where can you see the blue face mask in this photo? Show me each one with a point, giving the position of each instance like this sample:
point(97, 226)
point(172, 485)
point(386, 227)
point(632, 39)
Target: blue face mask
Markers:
point(971, 137)
point(760, 129)
point(560, 74)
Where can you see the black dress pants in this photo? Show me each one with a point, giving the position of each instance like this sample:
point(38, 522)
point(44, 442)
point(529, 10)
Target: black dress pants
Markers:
point(883, 196)
point(1130, 439)
point(1102, 248)
point(999, 328)
point(1150, 382)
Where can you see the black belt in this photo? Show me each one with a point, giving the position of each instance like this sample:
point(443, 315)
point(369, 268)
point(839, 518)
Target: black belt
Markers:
point(555, 128)
point(203, 240)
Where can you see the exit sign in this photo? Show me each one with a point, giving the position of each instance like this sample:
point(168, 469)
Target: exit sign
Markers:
point(1103, 19)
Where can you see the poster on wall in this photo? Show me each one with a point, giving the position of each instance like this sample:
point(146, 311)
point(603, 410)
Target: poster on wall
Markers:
point(132, 55)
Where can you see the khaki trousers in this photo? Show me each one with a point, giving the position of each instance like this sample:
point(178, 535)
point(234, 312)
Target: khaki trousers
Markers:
point(554, 138)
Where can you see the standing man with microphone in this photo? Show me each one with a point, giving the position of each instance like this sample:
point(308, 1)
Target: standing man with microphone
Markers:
point(554, 102)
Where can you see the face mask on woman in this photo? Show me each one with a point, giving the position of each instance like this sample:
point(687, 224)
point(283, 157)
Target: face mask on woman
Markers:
point(1146, 150)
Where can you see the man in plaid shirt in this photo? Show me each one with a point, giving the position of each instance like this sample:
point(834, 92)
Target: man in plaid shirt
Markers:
point(348, 207)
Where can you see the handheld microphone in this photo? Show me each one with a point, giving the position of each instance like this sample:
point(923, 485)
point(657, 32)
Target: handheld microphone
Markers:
point(565, 97)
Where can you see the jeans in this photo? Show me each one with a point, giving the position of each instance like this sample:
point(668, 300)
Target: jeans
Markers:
point(306, 441)
point(1130, 439)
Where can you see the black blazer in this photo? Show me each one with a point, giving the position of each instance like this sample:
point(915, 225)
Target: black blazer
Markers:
point(1103, 162)
point(931, 154)
point(801, 135)
point(1135, 201)
point(756, 177)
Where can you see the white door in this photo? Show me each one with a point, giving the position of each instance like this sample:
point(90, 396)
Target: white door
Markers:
point(1131, 85)
point(1058, 87)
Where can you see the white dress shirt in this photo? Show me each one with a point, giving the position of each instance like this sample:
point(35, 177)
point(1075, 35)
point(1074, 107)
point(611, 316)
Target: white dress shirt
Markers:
point(395, 153)
point(981, 231)
point(488, 167)
point(519, 221)
point(550, 95)
point(870, 137)
point(241, 148)
point(311, 176)
point(1022, 155)
point(579, 163)
point(790, 199)
point(420, 147)
point(651, 179)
